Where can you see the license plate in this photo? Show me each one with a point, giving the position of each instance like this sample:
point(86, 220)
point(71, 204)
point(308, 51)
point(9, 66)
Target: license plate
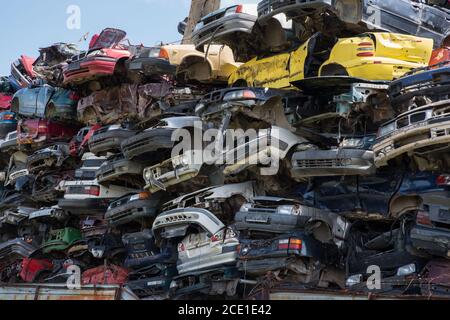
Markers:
point(257, 219)
point(74, 66)
point(135, 65)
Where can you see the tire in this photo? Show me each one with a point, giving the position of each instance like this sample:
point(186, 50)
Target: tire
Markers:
point(333, 70)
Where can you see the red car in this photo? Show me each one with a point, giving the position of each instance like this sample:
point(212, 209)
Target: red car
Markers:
point(440, 55)
point(79, 143)
point(22, 71)
point(105, 54)
point(38, 132)
point(5, 101)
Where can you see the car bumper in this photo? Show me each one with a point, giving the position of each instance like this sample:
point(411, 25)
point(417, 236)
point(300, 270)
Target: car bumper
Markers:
point(119, 169)
point(42, 160)
point(96, 67)
point(148, 142)
point(132, 211)
point(423, 136)
point(150, 286)
point(235, 23)
point(332, 163)
point(435, 241)
point(270, 223)
point(206, 262)
point(85, 206)
point(151, 66)
point(6, 128)
point(108, 141)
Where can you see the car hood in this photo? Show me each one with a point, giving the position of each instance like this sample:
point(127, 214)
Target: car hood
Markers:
point(108, 38)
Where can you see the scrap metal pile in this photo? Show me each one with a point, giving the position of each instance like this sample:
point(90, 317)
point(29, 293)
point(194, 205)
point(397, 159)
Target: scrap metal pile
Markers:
point(343, 166)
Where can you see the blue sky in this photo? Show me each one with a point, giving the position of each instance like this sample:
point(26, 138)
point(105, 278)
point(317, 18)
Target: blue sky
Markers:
point(30, 24)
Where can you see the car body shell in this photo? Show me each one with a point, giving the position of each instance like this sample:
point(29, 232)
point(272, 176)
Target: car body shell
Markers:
point(45, 101)
point(424, 128)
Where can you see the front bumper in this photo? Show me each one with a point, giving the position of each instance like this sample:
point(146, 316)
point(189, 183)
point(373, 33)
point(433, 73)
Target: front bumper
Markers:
point(338, 162)
point(225, 26)
point(161, 179)
point(41, 161)
point(87, 70)
point(409, 140)
point(108, 141)
point(132, 211)
point(435, 241)
point(85, 206)
point(120, 169)
point(148, 142)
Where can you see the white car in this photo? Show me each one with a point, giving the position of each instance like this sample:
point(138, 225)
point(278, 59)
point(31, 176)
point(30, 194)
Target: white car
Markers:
point(206, 242)
point(85, 195)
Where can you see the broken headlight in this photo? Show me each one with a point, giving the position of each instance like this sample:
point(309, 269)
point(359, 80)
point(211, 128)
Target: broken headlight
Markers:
point(406, 270)
point(354, 279)
point(289, 210)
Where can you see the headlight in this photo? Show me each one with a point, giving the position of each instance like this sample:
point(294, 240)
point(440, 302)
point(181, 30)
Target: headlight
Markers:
point(245, 207)
point(140, 196)
point(147, 174)
point(173, 285)
point(199, 108)
point(352, 280)
point(406, 270)
point(182, 161)
point(289, 210)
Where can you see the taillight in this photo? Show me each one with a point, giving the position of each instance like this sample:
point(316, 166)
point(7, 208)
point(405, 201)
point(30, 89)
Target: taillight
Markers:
point(363, 44)
point(74, 96)
point(365, 54)
point(164, 54)
point(43, 128)
point(239, 9)
point(443, 180)
point(423, 218)
point(283, 244)
point(295, 244)
point(8, 117)
point(181, 247)
point(93, 191)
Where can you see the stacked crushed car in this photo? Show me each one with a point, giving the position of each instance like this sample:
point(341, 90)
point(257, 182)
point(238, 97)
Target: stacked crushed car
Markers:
point(343, 165)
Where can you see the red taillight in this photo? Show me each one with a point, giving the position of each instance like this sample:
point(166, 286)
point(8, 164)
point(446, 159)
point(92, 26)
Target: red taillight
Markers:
point(423, 218)
point(74, 96)
point(443, 180)
point(8, 117)
point(181, 247)
point(239, 9)
point(214, 238)
point(283, 244)
point(295, 244)
point(93, 191)
point(363, 44)
point(43, 128)
point(365, 54)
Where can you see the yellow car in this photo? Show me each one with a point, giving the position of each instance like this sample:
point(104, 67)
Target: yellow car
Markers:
point(371, 56)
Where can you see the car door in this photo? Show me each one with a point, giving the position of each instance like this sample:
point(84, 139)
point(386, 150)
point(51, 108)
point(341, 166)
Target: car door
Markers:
point(27, 101)
point(435, 24)
point(44, 95)
point(400, 16)
point(197, 248)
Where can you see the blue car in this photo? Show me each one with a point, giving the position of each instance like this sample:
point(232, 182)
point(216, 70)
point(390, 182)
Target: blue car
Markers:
point(8, 123)
point(388, 194)
point(45, 102)
point(429, 81)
